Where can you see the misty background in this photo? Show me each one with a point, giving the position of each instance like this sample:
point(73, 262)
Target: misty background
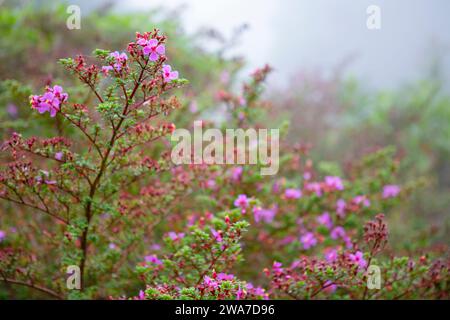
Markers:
point(323, 35)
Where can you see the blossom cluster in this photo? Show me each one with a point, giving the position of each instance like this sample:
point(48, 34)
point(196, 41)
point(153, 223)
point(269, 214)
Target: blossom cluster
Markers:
point(50, 101)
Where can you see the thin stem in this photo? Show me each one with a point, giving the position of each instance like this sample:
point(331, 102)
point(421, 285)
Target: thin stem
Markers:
point(95, 184)
point(33, 286)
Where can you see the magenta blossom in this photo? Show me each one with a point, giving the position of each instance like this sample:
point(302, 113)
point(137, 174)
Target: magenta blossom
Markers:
point(59, 156)
point(258, 291)
point(119, 57)
point(292, 193)
point(216, 235)
point(141, 295)
point(340, 208)
point(331, 255)
point(348, 242)
point(2, 235)
point(152, 48)
point(276, 187)
point(362, 200)
point(12, 110)
point(265, 215)
point(193, 106)
point(50, 101)
point(390, 191)
point(106, 69)
point(175, 236)
point(338, 232)
point(329, 287)
point(210, 283)
point(168, 74)
point(308, 240)
point(334, 183)
point(155, 247)
point(325, 220)
point(240, 293)
point(314, 187)
point(276, 267)
point(44, 180)
point(358, 258)
point(153, 259)
point(119, 62)
point(224, 276)
point(236, 174)
point(242, 202)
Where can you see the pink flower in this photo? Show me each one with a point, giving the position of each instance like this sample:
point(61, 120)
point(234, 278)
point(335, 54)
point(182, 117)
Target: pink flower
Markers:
point(120, 60)
point(390, 191)
point(236, 174)
point(325, 220)
point(258, 291)
point(334, 182)
point(193, 106)
point(112, 246)
point(153, 259)
point(361, 200)
point(50, 101)
point(240, 293)
point(265, 215)
point(216, 235)
point(210, 283)
point(106, 69)
point(44, 180)
point(223, 276)
point(119, 57)
point(358, 258)
point(292, 193)
point(308, 240)
point(12, 110)
point(241, 202)
point(168, 74)
point(329, 287)
point(287, 240)
point(348, 242)
point(340, 208)
point(211, 184)
point(155, 247)
point(276, 187)
point(141, 295)
point(152, 48)
point(58, 156)
point(331, 255)
point(276, 267)
point(314, 187)
point(225, 77)
point(338, 232)
point(2, 235)
point(175, 236)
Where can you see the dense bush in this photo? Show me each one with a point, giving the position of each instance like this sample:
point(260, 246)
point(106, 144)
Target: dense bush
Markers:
point(104, 194)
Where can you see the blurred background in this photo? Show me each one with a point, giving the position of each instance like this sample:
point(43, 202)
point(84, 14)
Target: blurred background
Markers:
point(348, 90)
point(323, 34)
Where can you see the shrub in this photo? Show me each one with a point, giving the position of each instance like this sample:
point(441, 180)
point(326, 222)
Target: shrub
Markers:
point(104, 195)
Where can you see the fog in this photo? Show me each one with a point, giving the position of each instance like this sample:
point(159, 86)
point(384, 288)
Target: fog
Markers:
point(322, 35)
